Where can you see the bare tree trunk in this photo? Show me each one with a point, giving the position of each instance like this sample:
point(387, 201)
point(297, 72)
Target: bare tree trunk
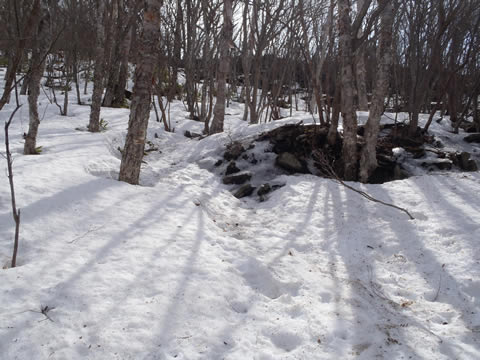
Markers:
point(246, 60)
point(333, 128)
point(361, 70)
point(99, 72)
point(87, 76)
point(15, 211)
point(177, 51)
point(68, 77)
point(76, 77)
point(119, 96)
point(223, 68)
point(37, 69)
point(476, 115)
point(113, 72)
point(142, 92)
point(17, 55)
point(207, 63)
point(361, 77)
point(26, 80)
point(190, 54)
point(368, 160)
point(349, 149)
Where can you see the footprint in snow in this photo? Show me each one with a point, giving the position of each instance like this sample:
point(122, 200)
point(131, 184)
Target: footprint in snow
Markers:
point(259, 278)
point(419, 216)
point(102, 169)
point(286, 340)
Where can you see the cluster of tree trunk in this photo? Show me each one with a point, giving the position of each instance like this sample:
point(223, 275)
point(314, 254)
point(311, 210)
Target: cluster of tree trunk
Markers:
point(331, 58)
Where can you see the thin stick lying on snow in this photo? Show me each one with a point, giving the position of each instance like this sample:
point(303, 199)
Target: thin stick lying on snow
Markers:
point(93, 229)
point(43, 310)
point(439, 285)
point(330, 173)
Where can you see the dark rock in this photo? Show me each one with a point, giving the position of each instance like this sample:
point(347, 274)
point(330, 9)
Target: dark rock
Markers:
point(381, 175)
point(128, 94)
point(441, 155)
point(244, 190)
point(237, 178)
point(438, 144)
point(399, 173)
point(468, 127)
point(232, 168)
point(471, 129)
point(191, 135)
point(471, 166)
point(386, 161)
point(277, 186)
point(465, 163)
point(218, 163)
point(234, 150)
point(290, 162)
point(443, 165)
point(417, 152)
point(440, 165)
point(472, 138)
point(195, 118)
point(463, 158)
point(264, 189)
point(414, 142)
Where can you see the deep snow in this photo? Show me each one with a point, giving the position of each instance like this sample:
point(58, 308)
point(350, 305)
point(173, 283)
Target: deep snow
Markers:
point(180, 269)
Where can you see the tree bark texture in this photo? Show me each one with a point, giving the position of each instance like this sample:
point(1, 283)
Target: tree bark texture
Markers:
point(223, 68)
point(361, 76)
point(42, 43)
point(119, 96)
point(368, 160)
point(17, 55)
point(116, 34)
point(99, 71)
point(361, 70)
point(349, 149)
point(15, 211)
point(142, 92)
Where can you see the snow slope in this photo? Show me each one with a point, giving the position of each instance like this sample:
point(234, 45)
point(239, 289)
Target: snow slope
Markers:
point(180, 269)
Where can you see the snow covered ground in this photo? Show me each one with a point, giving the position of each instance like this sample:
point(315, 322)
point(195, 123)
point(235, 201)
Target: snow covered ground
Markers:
point(180, 269)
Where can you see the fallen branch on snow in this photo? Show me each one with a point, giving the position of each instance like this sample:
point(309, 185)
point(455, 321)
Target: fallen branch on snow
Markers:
point(329, 172)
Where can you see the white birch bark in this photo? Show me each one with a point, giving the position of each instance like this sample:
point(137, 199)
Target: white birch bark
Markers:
point(99, 71)
point(223, 68)
point(142, 92)
point(349, 148)
point(37, 68)
point(368, 161)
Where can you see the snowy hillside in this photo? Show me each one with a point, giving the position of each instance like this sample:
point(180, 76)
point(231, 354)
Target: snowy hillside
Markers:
point(178, 268)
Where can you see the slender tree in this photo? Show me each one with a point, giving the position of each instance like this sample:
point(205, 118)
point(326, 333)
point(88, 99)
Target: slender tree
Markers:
point(39, 52)
point(99, 72)
point(349, 149)
point(368, 160)
point(142, 94)
point(223, 68)
point(361, 69)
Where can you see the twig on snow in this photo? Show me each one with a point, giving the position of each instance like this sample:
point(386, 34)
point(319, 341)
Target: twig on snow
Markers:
point(93, 229)
point(330, 173)
point(439, 285)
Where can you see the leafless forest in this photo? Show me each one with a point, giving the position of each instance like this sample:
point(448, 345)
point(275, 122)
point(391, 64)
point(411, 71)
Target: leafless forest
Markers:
point(330, 58)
